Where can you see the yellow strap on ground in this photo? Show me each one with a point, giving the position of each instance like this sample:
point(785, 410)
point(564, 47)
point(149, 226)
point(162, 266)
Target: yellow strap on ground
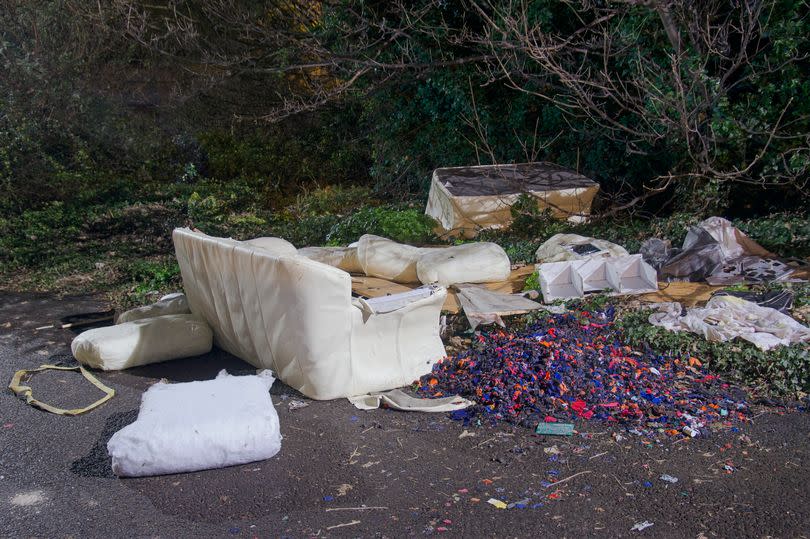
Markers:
point(25, 391)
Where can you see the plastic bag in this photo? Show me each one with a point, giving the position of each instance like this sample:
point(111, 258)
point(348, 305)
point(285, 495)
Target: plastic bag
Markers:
point(199, 425)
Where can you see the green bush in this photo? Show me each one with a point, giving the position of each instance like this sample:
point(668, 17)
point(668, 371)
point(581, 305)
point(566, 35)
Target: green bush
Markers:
point(408, 225)
point(306, 231)
point(332, 199)
point(152, 277)
point(784, 234)
point(532, 282)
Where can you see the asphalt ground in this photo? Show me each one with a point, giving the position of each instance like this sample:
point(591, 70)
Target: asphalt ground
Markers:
point(342, 472)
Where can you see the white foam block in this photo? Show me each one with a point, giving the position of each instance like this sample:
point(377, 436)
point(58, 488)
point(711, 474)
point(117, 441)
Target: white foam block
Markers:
point(199, 425)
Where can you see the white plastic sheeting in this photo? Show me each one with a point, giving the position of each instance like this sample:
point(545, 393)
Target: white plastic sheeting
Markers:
point(562, 247)
point(344, 258)
point(482, 306)
point(399, 400)
point(172, 304)
point(141, 342)
point(480, 262)
point(726, 317)
point(197, 426)
point(296, 317)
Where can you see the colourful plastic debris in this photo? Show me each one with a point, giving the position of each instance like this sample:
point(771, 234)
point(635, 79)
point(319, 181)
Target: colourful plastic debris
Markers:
point(576, 366)
point(498, 504)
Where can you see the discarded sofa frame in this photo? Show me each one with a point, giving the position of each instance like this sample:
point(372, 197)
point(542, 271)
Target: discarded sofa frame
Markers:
point(297, 317)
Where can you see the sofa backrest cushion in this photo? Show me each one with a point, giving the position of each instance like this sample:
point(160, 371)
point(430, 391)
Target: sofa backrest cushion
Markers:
point(278, 246)
point(286, 313)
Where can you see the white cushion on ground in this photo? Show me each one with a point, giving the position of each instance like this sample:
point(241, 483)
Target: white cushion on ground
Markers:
point(171, 304)
point(344, 258)
point(199, 425)
point(142, 342)
point(381, 257)
point(278, 246)
point(468, 263)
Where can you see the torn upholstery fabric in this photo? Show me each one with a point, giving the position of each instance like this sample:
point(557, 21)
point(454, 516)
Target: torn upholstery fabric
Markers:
point(25, 392)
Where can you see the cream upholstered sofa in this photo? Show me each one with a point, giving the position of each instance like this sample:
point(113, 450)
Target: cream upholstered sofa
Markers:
point(297, 317)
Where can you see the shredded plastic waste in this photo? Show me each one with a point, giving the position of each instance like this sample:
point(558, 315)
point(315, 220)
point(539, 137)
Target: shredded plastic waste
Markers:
point(575, 367)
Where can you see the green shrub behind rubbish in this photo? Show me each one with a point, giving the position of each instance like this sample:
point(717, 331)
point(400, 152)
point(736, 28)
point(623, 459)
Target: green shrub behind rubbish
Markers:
point(153, 277)
point(408, 225)
point(783, 234)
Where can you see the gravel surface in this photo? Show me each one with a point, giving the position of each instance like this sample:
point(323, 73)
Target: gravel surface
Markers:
point(346, 473)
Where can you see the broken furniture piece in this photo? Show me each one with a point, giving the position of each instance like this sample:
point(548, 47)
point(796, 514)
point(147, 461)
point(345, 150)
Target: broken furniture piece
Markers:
point(572, 279)
point(466, 200)
point(296, 317)
point(142, 342)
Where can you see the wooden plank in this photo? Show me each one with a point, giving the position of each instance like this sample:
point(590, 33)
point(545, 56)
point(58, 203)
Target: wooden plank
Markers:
point(374, 287)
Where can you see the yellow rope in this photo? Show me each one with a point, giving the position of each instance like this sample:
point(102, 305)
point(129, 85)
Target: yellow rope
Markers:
point(25, 391)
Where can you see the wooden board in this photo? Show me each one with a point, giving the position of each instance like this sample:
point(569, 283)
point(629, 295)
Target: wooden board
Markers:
point(374, 287)
point(687, 294)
